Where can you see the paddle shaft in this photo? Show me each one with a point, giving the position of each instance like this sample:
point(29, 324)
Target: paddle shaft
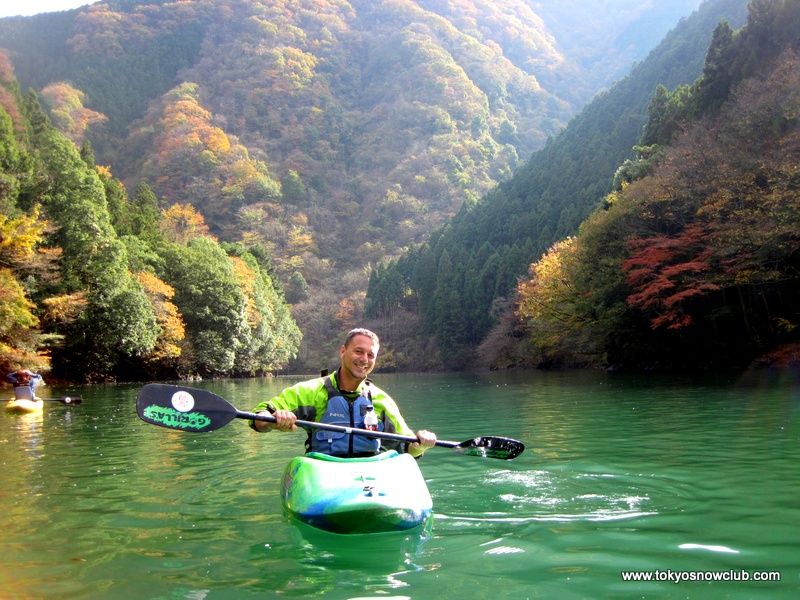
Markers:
point(382, 435)
point(65, 399)
point(196, 410)
point(62, 399)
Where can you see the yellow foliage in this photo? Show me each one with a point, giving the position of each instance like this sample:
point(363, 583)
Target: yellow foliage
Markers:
point(546, 303)
point(545, 295)
point(216, 140)
point(167, 316)
point(300, 241)
point(181, 223)
point(185, 111)
point(103, 172)
point(246, 278)
point(15, 308)
point(61, 310)
point(300, 219)
point(293, 263)
point(18, 237)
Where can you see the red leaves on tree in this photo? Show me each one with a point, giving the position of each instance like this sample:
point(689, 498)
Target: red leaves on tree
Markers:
point(667, 271)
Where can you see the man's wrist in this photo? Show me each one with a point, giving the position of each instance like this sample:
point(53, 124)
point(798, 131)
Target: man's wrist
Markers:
point(262, 425)
point(415, 450)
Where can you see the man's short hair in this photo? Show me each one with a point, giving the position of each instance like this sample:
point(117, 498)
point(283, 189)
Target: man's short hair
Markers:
point(360, 331)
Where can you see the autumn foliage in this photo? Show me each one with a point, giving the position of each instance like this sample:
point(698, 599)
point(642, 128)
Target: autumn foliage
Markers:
point(68, 112)
point(304, 144)
point(99, 286)
point(665, 272)
point(704, 251)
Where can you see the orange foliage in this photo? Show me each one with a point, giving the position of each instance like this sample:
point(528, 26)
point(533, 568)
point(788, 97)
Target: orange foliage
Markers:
point(67, 111)
point(185, 122)
point(191, 151)
point(167, 316)
point(346, 312)
point(181, 223)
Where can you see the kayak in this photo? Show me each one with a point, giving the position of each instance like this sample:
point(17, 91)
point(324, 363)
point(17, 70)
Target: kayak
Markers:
point(376, 494)
point(22, 405)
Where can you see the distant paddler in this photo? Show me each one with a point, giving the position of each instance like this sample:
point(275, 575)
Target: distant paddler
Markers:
point(25, 383)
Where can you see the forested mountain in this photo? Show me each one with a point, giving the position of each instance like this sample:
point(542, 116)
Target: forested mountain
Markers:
point(695, 259)
point(331, 134)
point(455, 284)
point(101, 286)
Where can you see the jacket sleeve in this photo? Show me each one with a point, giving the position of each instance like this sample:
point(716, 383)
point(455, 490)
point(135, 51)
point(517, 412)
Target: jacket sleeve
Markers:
point(302, 399)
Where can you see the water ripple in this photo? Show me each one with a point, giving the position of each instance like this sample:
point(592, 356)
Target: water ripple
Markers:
point(561, 495)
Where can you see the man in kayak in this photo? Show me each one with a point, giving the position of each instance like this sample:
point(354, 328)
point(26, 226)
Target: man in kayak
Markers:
point(23, 378)
point(344, 398)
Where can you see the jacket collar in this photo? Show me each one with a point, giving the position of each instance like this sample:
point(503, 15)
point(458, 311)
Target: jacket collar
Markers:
point(359, 390)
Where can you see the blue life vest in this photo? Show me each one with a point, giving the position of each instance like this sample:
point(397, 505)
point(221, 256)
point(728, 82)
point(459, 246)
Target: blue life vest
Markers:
point(346, 413)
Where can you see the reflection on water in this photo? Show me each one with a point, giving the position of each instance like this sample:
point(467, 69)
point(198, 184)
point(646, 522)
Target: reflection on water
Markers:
point(25, 431)
point(310, 562)
point(620, 473)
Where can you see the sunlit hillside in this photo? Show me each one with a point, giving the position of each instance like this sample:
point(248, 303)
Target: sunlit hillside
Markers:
point(333, 134)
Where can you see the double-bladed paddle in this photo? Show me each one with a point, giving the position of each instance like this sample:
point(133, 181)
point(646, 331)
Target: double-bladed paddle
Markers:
point(195, 410)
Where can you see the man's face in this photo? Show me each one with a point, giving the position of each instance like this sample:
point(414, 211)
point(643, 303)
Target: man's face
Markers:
point(359, 356)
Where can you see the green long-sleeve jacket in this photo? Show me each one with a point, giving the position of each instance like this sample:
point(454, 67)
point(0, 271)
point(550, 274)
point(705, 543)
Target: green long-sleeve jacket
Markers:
point(308, 400)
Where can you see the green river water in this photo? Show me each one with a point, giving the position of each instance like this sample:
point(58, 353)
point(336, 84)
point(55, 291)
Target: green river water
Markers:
point(665, 476)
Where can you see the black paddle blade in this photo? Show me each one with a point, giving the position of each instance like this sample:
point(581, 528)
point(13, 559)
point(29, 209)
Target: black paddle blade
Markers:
point(491, 447)
point(182, 408)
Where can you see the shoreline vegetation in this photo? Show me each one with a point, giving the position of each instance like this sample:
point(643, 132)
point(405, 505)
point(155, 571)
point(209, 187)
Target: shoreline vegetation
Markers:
point(202, 254)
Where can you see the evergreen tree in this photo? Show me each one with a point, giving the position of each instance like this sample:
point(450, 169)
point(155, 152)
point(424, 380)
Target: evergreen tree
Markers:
point(144, 215)
point(9, 164)
point(714, 86)
point(87, 154)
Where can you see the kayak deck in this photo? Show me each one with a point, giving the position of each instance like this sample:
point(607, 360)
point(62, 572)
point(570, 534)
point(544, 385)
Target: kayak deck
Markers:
point(356, 495)
point(22, 405)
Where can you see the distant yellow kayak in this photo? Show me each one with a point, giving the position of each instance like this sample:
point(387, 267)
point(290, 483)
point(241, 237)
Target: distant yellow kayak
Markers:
point(22, 405)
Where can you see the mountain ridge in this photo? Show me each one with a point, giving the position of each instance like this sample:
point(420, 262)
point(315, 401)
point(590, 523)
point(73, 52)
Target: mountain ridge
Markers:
point(371, 172)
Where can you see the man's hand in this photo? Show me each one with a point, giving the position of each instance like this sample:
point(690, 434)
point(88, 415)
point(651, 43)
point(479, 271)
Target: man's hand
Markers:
point(284, 421)
point(425, 441)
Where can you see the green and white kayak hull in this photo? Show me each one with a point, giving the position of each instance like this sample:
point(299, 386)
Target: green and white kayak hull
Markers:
point(356, 495)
